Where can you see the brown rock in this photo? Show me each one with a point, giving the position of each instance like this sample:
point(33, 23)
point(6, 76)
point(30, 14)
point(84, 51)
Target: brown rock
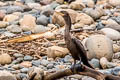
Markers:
point(77, 5)
point(28, 22)
point(26, 64)
point(83, 18)
point(10, 18)
point(5, 59)
point(56, 51)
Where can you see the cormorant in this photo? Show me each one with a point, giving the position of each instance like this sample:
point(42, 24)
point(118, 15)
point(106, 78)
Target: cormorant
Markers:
point(75, 47)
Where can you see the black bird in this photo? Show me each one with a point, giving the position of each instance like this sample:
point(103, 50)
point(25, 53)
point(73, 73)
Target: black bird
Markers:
point(73, 44)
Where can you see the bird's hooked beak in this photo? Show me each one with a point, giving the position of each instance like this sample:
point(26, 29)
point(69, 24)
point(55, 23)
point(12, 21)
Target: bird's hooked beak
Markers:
point(59, 13)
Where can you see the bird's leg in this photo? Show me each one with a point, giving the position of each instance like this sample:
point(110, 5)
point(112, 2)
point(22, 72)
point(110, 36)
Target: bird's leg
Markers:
point(73, 67)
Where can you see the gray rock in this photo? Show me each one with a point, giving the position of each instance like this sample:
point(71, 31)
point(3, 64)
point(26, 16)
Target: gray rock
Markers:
point(8, 34)
point(116, 71)
point(28, 58)
point(18, 60)
point(95, 63)
point(99, 26)
point(44, 62)
point(17, 55)
point(4, 75)
point(14, 29)
point(24, 70)
point(39, 29)
point(67, 58)
point(50, 66)
point(42, 20)
point(12, 9)
point(36, 63)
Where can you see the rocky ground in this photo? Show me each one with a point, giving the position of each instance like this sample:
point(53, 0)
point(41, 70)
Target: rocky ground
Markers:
point(100, 25)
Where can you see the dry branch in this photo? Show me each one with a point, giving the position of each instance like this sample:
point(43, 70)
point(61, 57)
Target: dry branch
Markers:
point(82, 70)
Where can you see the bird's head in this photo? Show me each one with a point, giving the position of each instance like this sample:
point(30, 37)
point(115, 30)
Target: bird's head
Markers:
point(66, 17)
point(64, 14)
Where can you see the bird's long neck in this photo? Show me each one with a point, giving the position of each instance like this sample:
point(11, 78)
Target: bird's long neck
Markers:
point(67, 27)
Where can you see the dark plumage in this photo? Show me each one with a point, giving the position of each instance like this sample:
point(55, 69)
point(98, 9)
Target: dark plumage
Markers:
point(73, 44)
point(69, 1)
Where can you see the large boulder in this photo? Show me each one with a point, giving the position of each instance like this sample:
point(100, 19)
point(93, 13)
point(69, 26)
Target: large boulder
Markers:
point(99, 46)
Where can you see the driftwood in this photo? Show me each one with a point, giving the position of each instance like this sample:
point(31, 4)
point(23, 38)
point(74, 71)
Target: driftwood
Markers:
point(81, 70)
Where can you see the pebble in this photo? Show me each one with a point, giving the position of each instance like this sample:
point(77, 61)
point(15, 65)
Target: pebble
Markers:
point(28, 58)
point(42, 20)
point(14, 29)
point(39, 29)
point(95, 63)
point(67, 58)
point(24, 70)
point(116, 48)
point(44, 62)
point(5, 59)
point(27, 23)
point(36, 63)
point(103, 62)
point(117, 55)
point(18, 55)
point(26, 64)
point(8, 34)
